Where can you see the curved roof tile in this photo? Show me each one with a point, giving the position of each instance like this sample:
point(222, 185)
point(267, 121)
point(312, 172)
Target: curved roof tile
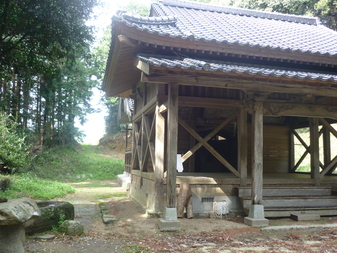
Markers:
point(188, 63)
point(196, 21)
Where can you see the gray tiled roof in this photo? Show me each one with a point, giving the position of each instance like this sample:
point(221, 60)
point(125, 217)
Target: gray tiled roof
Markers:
point(197, 21)
point(188, 63)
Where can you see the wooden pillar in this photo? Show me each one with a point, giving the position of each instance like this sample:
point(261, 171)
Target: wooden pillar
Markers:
point(191, 160)
point(159, 159)
point(242, 145)
point(257, 154)
point(291, 151)
point(326, 146)
point(172, 145)
point(314, 148)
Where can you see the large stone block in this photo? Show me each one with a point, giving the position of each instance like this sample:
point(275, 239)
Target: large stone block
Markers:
point(51, 213)
point(18, 211)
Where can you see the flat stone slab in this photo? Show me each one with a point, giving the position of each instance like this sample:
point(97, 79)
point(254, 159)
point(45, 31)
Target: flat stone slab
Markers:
point(276, 228)
point(45, 237)
point(254, 222)
point(305, 217)
point(169, 225)
point(107, 219)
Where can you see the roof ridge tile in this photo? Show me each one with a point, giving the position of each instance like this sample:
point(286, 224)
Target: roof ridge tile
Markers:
point(243, 12)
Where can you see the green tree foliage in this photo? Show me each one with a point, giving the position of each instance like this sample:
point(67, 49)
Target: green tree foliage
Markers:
point(326, 10)
point(46, 66)
point(42, 30)
point(134, 7)
point(13, 150)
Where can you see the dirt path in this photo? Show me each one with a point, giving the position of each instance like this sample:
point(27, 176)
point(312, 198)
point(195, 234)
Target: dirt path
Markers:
point(135, 232)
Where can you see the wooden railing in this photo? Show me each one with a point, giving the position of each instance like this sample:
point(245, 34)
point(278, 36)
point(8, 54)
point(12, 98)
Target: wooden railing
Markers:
point(127, 166)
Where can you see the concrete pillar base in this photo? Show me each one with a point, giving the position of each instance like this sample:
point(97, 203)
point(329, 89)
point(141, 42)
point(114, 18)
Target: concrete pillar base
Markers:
point(254, 222)
point(170, 221)
point(168, 225)
point(256, 217)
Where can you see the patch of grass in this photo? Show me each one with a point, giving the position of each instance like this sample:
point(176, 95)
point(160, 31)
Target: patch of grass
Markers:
point(104, 196)
point(93, 184)
point(76, 164)
point(135, 249)
point(29, 185)
point(119, 194)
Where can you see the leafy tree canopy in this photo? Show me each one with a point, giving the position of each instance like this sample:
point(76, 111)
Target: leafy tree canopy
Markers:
point(43, 30)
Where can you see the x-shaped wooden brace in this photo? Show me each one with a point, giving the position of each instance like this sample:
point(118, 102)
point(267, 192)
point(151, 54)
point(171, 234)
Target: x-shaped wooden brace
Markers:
point(144, 147)
point(204, 142)
point(307, 151)
point(333, 163)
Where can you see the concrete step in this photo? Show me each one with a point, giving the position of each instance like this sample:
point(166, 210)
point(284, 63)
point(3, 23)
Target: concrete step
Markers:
point(287, 212)
point(285, 202)
point(273, 191)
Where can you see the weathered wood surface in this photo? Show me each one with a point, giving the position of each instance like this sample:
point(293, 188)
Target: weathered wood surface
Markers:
point(208, 147)
point(257, 151)
point(172, 137)
point(159, 156)
point(207, 138)
point(242, 144)
point(294, 191)
point(184, 197)
point(314, 148)
point(230, 81)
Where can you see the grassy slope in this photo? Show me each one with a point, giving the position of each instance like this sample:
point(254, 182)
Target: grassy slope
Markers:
point(43, 180)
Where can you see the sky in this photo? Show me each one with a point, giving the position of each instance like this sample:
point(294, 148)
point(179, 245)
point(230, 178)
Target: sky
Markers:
point(94, 128)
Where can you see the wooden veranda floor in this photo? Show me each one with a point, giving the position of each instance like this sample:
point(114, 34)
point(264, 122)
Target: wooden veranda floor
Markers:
point(268, 178)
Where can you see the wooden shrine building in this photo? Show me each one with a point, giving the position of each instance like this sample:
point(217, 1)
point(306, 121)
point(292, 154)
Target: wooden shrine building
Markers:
point(226, 89)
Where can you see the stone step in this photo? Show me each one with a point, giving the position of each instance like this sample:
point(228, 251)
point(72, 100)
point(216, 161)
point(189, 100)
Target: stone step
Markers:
point(271, 191)
point(287, 212)
point(284, 202)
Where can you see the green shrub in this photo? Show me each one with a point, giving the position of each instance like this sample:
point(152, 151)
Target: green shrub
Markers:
point(13, 150)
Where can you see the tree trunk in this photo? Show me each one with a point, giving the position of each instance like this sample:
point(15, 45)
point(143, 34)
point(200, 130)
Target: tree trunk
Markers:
point(184, 197)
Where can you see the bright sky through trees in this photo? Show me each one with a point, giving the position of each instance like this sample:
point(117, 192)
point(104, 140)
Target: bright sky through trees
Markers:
point(94, 127)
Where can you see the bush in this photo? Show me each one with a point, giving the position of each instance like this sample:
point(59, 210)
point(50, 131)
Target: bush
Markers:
point(13, 150)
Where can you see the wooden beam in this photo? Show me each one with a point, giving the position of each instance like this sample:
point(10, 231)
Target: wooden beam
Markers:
point(235, 81)
point(329, 167)
point(202, 102)
point(291, 151)
point(172, 145)
point(144, 67)
point(326, 146)
point(126, 41)
point(159, 159)
point(299, 110)
point(242, 144)
point(149, 107)
point(314, 148)
point(257, 153)
point(204, 143)
point(328, 126)
point(208, 137)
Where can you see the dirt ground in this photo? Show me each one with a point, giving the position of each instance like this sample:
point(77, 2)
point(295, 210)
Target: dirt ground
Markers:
point(134, 231)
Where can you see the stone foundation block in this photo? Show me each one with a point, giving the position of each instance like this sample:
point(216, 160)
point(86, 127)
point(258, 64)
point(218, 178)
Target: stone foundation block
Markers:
point(169, 225)
point(255, 222)
point(305, 217)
